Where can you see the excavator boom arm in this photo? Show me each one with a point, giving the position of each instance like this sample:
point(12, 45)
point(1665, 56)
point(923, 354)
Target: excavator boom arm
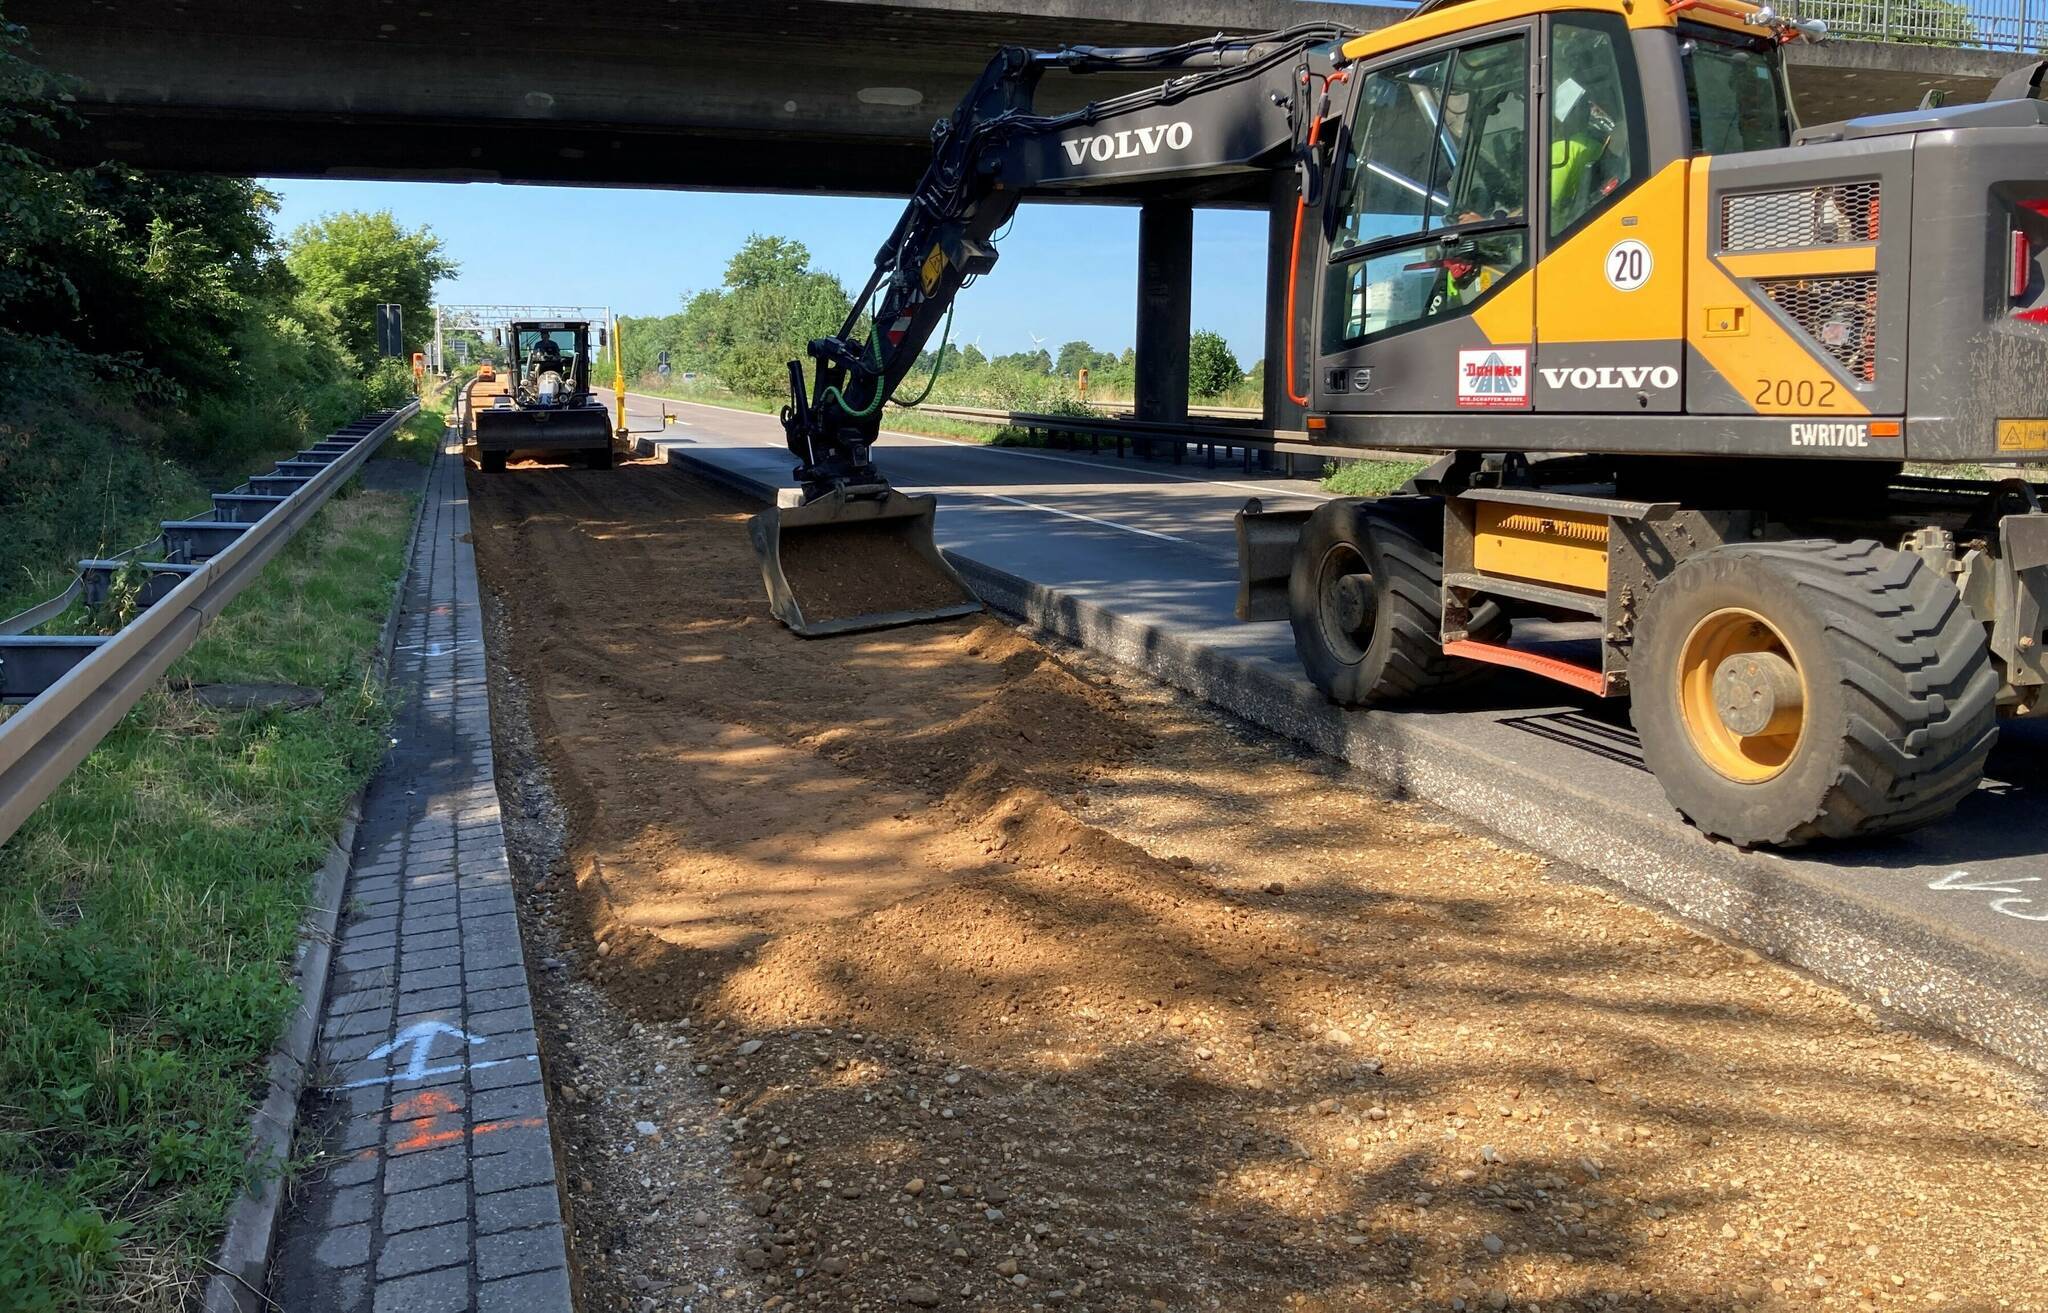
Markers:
point(844, 552)
point(1224, 105)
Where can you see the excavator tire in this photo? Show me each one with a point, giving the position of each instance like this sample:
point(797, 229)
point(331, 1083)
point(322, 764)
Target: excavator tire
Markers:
point(1797, 691)
point(1366, 602)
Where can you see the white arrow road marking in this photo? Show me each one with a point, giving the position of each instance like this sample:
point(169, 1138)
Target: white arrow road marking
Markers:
point(432, 1071)
point(1960, 881)
point(421, 1036)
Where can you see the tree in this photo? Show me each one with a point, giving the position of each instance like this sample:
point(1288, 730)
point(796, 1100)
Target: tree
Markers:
point(764, 260)
point(1212, 368)
point(970, 356)
point(1029, 362)
point(350, 262)
point(746, 331)
point(1077, 355)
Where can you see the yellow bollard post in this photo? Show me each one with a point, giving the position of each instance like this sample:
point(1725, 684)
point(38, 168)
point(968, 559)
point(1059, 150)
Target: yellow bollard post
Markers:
point(619, 376)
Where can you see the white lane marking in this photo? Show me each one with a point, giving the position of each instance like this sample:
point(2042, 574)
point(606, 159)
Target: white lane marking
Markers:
point(1098, 465)
point(1071, 515)
point(1063, 460)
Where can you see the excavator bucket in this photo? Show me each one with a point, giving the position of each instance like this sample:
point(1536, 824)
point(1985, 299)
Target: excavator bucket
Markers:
point(856, 559)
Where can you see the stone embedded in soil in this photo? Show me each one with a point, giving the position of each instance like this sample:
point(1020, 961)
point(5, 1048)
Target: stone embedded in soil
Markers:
point(921, 1297)
point(749, 1049)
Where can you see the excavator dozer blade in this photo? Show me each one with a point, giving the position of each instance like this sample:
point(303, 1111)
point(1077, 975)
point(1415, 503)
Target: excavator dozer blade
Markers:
point(856, 559)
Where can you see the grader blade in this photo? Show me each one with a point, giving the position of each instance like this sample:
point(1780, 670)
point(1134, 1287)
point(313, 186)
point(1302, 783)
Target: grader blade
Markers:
point(856, 559)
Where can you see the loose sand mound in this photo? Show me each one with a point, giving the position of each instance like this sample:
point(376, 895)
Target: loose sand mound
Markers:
point(1024, 986)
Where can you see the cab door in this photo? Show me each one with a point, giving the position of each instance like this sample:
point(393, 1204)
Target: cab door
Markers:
point(1610, 273)
point(1425, 303)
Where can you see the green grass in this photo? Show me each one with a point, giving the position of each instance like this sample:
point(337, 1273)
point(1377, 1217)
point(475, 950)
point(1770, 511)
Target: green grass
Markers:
point(419, 438)
point(148, 913)
point(1369, 478)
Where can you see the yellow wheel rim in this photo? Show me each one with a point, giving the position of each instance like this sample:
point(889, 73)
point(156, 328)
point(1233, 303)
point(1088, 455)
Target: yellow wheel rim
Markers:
point(1742, 694)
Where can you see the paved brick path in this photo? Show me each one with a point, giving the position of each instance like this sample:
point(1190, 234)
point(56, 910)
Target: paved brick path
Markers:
point(436, 1189)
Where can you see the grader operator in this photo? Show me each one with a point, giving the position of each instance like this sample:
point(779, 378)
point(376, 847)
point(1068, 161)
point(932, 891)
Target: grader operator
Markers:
point(1587, 227)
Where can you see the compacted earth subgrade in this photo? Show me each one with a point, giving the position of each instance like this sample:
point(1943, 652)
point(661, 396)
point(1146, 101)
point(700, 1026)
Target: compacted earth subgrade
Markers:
point(934, 968)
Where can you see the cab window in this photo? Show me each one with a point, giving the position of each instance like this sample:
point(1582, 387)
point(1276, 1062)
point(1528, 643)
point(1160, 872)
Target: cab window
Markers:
point(1433, 197)
point(1735, 92)
point(1591, 151)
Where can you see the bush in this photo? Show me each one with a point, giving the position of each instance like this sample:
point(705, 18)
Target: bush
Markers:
point(1212, 368)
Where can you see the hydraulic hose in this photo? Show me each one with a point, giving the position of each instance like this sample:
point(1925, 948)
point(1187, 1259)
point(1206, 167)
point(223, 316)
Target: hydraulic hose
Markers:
point(937, 360)
point(833, 394)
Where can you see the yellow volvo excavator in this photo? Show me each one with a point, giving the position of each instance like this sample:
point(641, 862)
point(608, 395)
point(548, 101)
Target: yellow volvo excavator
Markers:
point(1678, 349)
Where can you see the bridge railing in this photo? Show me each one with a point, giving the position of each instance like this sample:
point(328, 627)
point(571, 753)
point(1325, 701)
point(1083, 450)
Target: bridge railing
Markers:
point(2018, 25)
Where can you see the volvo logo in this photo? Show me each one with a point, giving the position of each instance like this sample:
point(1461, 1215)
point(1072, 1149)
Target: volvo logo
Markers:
point(1129, 143)
point(1611, 376)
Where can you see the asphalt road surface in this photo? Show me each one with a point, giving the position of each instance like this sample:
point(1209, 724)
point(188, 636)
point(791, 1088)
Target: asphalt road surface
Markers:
point(1153, 544)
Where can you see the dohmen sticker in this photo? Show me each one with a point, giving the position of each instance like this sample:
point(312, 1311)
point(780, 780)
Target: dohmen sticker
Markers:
point(1494, 378)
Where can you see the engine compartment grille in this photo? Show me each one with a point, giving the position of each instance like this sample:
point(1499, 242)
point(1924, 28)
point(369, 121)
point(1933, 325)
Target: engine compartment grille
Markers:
point(1838, 312)
point(1838, 214)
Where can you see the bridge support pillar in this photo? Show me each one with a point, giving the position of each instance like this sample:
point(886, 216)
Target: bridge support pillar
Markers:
point(1281, 410)
point(1166, 263)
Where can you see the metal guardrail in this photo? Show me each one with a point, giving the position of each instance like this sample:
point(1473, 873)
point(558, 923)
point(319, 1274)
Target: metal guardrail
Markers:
point(2019, 25)
point(1114, 409)
point(81, 686)
point(1255, 446)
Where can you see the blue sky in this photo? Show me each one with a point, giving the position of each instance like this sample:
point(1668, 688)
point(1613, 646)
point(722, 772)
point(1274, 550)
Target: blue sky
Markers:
point(1066, 271)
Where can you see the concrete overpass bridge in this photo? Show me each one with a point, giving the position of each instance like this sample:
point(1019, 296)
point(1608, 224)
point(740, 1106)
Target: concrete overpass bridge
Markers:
point(756, 95)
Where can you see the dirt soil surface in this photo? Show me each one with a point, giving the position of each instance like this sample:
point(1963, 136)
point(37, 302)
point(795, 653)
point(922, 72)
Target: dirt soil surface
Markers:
point(933, 968)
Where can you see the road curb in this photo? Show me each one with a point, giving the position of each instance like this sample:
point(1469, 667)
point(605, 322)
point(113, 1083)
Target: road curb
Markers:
point(1942, 977)
point(242, 1263)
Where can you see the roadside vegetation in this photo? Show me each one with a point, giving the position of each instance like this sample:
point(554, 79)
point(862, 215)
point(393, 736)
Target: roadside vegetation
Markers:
point(160, 339)
point(1369, 478)
point(147, 917)
point(736, 338)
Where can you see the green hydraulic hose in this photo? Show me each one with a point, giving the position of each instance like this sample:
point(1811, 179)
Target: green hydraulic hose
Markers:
point(937, 360)
point(875, 402)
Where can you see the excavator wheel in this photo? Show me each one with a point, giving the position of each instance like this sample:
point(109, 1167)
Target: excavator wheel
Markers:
point(1787, 692)
point(1366, 602)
